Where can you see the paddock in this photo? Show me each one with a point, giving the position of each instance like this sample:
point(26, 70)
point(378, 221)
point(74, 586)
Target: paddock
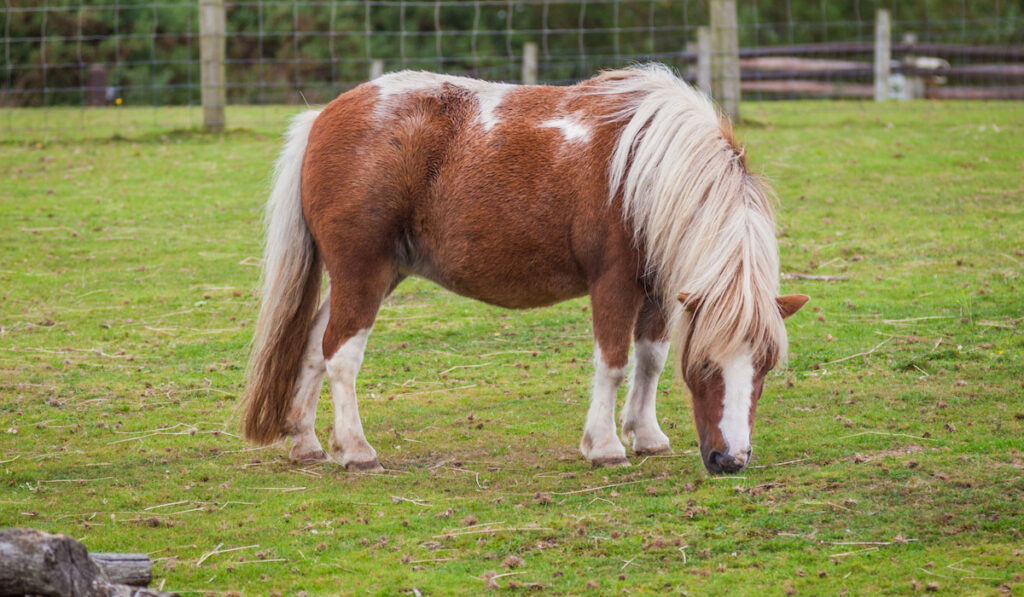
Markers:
point(888, 450)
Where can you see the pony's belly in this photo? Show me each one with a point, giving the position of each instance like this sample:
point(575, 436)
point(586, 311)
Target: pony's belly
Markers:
point(505, 246)
point(506, 282)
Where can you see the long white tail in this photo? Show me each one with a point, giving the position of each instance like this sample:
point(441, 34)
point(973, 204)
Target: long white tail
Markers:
point(291, 293)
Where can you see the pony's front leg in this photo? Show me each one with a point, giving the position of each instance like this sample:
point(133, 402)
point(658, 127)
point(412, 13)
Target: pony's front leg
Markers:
point(302, 417)
point(600, 444)
point(614, 313)
point(639, 420)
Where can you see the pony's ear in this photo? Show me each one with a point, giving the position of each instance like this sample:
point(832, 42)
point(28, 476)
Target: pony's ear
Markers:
point(789, 305)
point(684, 298)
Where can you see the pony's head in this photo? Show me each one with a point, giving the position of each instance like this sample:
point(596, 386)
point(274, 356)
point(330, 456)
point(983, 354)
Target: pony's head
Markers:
point(726, 385)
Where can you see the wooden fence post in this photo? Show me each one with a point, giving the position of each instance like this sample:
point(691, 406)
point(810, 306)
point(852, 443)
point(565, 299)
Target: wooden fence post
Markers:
point(211, 63)
point(725, 57)
point(704, 59)
point(883, 55)
point(530, 63)
point(376, 68)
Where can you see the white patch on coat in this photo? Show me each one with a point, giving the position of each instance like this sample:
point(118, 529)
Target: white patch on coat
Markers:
point(738, 376)
point(344, 364)
point(406, 81)
point(606, 384)
point(572, 130)
point(650, 358)
point(488, 95)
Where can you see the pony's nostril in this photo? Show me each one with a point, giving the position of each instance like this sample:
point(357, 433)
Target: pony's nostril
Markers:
point(720, 462)
point(712, 462)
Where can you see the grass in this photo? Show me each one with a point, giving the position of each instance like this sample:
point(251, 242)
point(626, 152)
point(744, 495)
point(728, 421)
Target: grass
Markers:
point(127, 268)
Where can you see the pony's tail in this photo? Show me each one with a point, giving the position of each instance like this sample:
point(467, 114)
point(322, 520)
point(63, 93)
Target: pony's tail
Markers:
point(290, 295)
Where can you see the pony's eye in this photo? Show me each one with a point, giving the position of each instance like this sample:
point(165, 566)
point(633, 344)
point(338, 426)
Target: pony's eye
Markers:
point(705, 365)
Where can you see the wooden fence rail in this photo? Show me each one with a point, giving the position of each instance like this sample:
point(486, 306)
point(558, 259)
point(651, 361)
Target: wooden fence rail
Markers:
point(847, 70)
point(922, 48)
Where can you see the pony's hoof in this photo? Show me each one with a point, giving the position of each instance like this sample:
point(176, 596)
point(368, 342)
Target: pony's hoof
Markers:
point(370, 466)
point(308, 456)
point(610, 461)
point(654, 451)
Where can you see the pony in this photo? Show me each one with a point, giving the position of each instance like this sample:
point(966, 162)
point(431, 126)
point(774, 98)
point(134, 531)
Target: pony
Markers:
point(629, 187)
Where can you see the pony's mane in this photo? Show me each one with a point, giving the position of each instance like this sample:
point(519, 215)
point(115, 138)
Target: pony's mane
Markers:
point(704, 221)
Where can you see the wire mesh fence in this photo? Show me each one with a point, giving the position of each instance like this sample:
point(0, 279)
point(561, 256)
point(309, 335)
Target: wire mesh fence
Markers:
point(109, 55)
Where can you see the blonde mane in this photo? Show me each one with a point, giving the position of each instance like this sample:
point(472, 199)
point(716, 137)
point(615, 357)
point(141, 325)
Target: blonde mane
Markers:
point(704, 221)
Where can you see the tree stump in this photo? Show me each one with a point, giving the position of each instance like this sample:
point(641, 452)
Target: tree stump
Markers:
point(36, 563)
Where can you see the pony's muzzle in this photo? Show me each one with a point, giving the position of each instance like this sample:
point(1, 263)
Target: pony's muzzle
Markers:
point(719, 463)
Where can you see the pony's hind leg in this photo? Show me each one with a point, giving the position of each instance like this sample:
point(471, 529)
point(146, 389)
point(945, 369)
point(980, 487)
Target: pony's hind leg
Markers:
point(348, 442)
point(354, 302)
point(650, 349)
point(306, 447)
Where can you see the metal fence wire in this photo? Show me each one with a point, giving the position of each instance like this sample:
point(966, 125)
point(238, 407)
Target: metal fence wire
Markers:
point(85, 53)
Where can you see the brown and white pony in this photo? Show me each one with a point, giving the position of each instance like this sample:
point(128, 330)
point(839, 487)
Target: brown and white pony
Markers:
point(628, 187)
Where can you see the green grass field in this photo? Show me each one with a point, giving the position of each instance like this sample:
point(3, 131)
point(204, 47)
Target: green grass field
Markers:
point(889, 454)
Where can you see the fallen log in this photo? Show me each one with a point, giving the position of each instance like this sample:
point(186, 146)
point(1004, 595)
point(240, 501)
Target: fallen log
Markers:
point(36, 563)
point(125, 568)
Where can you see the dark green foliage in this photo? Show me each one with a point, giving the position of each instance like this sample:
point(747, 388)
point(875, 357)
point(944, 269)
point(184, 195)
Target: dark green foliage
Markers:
point(150, 50)
point(809, 21)
point(321, 47)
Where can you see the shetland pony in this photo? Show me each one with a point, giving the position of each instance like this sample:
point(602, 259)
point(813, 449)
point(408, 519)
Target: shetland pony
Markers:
point(628, 187)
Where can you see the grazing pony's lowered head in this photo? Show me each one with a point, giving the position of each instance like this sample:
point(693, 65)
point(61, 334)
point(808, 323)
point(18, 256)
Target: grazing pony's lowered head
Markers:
point(708, 232)
point(726, 385)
